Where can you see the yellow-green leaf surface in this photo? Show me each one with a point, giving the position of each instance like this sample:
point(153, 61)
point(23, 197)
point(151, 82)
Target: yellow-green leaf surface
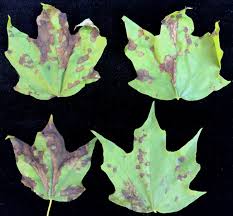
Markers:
point(150, 178)
point(56, 64)
point(48, 169)
point(175, 64)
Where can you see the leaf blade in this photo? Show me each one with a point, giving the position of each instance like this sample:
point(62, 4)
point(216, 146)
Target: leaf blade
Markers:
point(175, 64)
point(48, 169)
point(50, 65)
point(150, 178)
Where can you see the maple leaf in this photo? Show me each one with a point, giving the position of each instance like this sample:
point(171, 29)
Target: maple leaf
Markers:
point(150, 178)
point(48, 169)
point(56, 63)
point(175, 64)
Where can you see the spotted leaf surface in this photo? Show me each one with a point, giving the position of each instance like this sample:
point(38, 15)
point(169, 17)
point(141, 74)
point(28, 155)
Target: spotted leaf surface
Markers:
point(150, 178)
point(56, 64)
point(48, 169)
point(175, 64)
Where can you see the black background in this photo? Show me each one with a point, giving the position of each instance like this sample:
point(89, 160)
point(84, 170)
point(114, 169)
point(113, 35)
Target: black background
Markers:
point(112, 108)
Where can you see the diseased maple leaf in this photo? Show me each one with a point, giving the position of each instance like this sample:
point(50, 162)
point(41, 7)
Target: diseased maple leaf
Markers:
point(150, 178)
point(48, 169)
point(175, 64)
point(56, 64)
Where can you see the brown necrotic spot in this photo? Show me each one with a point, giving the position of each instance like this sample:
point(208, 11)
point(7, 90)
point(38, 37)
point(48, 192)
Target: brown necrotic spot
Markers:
point(26, 61)
point(182, 177)
point(114, 169)
point(177, 168)
point(140, 32)
point(92, 75)
point(181, 159)
point(141, 175)
point(72, 192)
point(82, 151)
point(94, 34)
point(141, 155)
point(28, 182)
point(83, 59)
point(89, 50)
point(140, 53)
point(169, 66)
point(46, 38)
point(141, 138)
point(176, 198)
point(86, 161)
point(63, 20)
point(78, 69)
point(137, 166)
point(33, 158)
point(172, 26)
point(72, 85)
point(143, 75)
point(131, 45)
point(189, 41)
point(130, 194)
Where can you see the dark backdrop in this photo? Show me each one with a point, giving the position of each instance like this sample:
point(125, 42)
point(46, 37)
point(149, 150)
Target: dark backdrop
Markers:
point(112, 108)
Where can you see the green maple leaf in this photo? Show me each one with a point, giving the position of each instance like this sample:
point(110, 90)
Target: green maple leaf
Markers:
point(175, 64)
point(150, 178)
point(56, 63)
point(48, 169)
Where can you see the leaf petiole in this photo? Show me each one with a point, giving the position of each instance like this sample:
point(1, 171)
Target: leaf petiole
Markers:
point(49, 207)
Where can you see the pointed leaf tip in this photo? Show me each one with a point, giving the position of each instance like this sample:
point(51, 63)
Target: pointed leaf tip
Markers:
point(51, 119)
point(9, 137)
point(9, 23)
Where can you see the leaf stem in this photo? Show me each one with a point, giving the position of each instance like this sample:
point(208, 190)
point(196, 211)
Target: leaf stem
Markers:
point(50, 204)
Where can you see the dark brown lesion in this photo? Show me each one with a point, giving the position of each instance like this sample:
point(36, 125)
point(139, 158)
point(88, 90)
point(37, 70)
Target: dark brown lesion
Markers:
point(28, 182)
point(72, 192)
point(176, 199)
point(144, 76)
point(187, 36)
point(131, 45)
point(79, 69)
point(172, 24)
point(181, 177)
point(73, 84)
point(60, 157)
point(129, 193)
point(93, 74)
point(140, 139)
point(140, 53)
point(94, 34)
point(34, 159)
point(82, 59)
point(169, 66)
point(181, 159)
point(26, 61)
point(46, 38)
point(140, 32)
point(141, 156)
